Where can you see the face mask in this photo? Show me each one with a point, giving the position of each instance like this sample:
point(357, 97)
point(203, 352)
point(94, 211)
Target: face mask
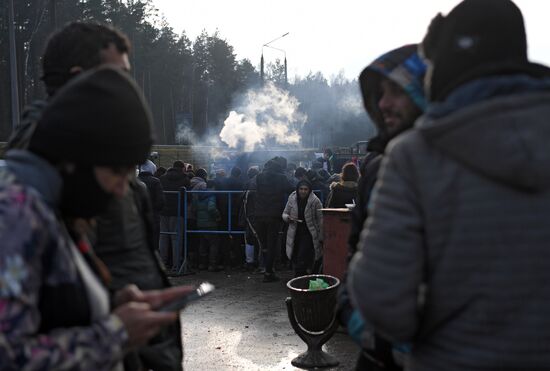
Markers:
point(82, 196)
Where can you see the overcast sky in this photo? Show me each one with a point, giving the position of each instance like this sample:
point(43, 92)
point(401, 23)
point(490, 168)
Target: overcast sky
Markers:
point(330, 35)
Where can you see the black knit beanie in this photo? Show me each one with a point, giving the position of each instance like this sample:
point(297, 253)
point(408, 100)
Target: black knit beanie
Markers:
point(477, 38)
point(99, 119)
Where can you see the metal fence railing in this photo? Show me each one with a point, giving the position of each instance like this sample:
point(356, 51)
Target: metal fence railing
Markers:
point(182, 230)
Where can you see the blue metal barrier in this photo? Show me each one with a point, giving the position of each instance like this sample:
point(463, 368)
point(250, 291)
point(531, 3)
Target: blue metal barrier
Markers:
point(183, 268)
point(176, 251)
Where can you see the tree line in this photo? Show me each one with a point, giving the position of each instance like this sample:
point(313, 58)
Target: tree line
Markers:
point(187, 83)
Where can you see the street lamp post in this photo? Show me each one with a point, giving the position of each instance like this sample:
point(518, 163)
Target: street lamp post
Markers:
point(283, 51)
point(262, 74)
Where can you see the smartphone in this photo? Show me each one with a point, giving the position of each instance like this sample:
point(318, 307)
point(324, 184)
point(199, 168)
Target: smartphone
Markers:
point(202, 290)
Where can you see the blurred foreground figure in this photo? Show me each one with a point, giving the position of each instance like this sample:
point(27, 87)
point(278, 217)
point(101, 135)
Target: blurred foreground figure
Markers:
point(454, 256)
point(393, 96)
point(55, 313)
point(124, 235)
point(77, 47)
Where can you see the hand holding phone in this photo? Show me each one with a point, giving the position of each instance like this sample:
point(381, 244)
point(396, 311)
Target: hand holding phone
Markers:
point(202, 290)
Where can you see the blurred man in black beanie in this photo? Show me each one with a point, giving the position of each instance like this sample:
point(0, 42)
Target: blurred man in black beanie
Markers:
point(56, 312)
point(75, 48)
point(477, 38)
point(456, 268)
point(103, 111)
point(123, 233)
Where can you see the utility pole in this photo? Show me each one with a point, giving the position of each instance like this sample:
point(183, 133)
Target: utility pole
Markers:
point(13, 66)
point(286, 75)
point(262, 68)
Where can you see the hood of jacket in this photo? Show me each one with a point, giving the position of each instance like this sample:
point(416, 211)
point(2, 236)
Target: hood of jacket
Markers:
point(497, 126)
point(198, 184)
point(293, 197)
point(402, 66)
point(37, 173)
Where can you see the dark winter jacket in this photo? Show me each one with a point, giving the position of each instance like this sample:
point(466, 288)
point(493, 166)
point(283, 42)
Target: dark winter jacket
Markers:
point(173, 180)
point(21, 137)
point(342, 194)
point(273, 189)
point(207, 211)
point(195, 184)
point(204, 205)
point(155, 189)
point(454, 258)
point(124, 242)
point(249, 200)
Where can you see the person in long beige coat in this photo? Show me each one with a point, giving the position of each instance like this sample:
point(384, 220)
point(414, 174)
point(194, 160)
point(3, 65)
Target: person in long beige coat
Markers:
point(305, 231)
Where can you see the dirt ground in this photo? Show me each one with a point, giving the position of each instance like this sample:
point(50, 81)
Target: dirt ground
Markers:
point(244, 325)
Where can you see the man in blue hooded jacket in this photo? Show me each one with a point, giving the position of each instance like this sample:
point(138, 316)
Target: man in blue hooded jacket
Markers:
point(393, 95)
point(454, 255)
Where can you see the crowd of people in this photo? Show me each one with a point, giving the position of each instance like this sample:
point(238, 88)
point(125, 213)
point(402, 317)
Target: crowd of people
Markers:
point(449, 234)
point(269, 214)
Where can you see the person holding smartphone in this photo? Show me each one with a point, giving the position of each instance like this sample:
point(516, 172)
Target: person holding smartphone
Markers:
point(55, 311)
point(304, 236)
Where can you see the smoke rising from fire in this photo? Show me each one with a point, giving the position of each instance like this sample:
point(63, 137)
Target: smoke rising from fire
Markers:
point(264, 117)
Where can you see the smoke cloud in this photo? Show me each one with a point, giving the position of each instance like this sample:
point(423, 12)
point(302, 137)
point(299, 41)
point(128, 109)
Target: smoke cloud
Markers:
point(267, 116)
point(351, 104)
point(184, 134)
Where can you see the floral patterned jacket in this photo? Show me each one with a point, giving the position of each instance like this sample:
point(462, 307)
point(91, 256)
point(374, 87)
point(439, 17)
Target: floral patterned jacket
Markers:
point(30, 235)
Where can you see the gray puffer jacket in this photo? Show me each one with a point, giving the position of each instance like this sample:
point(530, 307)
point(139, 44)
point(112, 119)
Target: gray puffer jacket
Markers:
point(455, 257)
point(313, 218)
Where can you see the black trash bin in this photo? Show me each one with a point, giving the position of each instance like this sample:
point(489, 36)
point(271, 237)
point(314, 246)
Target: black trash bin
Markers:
point(312, 314)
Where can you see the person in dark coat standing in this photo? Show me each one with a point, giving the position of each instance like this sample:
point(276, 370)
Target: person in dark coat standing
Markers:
point(393, 103)
point(233, 243)
point(156, 194)
point(56, 312)
point(207, 219)
point(77, 47)
point(273, 189)
point(170, 248)
point(454, 256)
point(160, 172)
point(345, 191)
